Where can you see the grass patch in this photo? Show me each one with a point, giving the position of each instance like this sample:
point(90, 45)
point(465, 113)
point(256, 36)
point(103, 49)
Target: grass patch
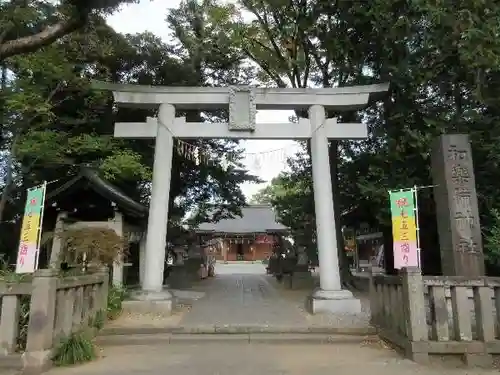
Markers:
point(74, 349)
point(98, 320)
point(23, 322)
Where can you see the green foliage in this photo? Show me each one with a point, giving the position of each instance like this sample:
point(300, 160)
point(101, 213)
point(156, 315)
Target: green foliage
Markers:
point(291, 196)
point(74, 349)
point(98, 320)
point(53, 122)
point(29, 26)
point(492, 240)
point(97, 246)
point(24, 315)
point(442, 63)
point(116, 296)
point(126, 165)
point(8, 274)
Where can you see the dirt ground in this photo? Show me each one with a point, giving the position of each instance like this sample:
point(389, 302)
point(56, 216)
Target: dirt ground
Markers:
point(267, 359)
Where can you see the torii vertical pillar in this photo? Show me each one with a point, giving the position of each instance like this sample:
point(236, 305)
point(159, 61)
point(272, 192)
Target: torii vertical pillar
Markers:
point(156, 235)
point(330, 297)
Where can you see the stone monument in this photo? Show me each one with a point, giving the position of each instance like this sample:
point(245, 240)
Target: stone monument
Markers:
point(456, 207)
point(301, 276)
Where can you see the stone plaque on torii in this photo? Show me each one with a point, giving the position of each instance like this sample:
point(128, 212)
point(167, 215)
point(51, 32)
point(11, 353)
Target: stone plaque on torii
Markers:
point(243, 103)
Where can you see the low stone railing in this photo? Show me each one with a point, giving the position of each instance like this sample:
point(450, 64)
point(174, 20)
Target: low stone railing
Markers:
point(58, 306)
point(438, 315)
point(386, 306)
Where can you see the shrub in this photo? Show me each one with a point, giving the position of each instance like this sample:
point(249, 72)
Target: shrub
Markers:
point(492, 240)
point(98, 320)
point(76, 348)
point(116, 295)
point(23, 322)
point(94, 246)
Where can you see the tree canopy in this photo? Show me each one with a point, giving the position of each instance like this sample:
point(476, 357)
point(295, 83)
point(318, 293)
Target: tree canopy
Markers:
point(26, 26)
point(442, 60)
point(54, 122)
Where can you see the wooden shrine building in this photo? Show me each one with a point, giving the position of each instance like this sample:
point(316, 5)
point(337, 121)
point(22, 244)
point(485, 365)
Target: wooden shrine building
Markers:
point(86, 200)
point(250, 237)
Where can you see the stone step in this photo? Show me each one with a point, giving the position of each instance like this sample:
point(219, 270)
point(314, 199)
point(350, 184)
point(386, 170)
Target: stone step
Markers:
point(10, 364)
point(261, 338)
point(239, 329)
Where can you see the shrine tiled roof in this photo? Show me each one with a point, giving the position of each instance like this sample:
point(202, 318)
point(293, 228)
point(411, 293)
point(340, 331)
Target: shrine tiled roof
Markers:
point(254, 219)
point(102, 187)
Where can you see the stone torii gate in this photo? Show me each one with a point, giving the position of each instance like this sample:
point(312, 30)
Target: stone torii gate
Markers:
point(243, 103)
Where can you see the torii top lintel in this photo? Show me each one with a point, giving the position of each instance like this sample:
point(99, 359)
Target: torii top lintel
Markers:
point(338, 98)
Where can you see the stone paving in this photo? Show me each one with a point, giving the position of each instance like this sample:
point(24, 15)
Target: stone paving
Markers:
point(266, 359)
point(242, 294)
point(241, 298)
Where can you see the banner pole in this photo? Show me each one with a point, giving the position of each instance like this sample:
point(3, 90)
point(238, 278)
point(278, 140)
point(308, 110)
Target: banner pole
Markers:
point(37, 255)
point(415, 195)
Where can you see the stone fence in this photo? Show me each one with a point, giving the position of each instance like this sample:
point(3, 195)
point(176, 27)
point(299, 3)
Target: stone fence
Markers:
point(438, 315)
point(58, 306)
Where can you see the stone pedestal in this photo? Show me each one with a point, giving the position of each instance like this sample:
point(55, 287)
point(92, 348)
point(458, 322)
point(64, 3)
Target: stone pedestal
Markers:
point(299, 280)
point(142, 302)
point(36, 362)
point(334, 302)
point(179, 278)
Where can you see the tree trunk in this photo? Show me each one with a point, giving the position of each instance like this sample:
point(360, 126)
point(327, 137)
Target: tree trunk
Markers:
point(43, 38)
point(8, 160)
point(9, 178)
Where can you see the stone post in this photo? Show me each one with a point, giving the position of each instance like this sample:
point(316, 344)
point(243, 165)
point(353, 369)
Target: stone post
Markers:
point(9, 324)
point(330, 297)
point(142, 258)
point(57, 245)
point(37, 356)
point(104, 289)
point(224, 250)
point(414, 312)
point(152, 286)
point(117, 224)
point(456, 207)
point(376, 303)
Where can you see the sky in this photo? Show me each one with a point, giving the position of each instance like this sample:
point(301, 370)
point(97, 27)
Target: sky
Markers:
point(260, 159)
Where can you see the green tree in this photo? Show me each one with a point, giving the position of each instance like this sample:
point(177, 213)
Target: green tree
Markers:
point(30, 25)
point(56, 122)
point(263, 196)
point(52, 120)
point(299, 44)
point(205, 52)
point(428, 53)
point(291, 195)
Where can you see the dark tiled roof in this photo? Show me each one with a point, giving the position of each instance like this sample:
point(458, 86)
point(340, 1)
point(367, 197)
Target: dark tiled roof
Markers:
point(105, 189)
point(254, 219)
